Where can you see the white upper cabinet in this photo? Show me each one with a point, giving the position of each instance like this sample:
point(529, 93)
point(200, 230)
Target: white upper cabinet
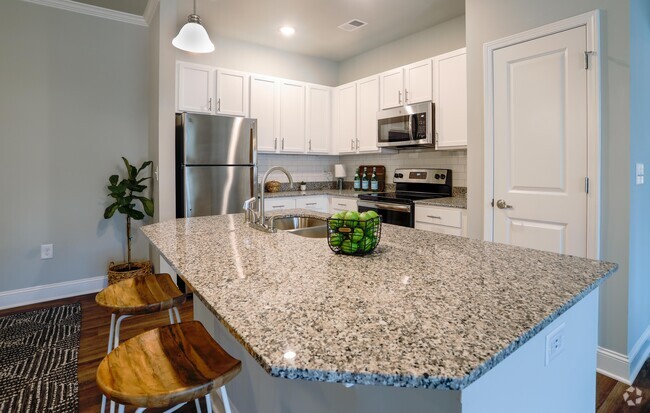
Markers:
point(346, 118)
point(319, 118)
point(292, 116)
point(195, 88)
point(279, 107)
point(392, 88)
point(264, 106)
point(450, 97)
point(417, 82)
point(232, 93)
point(367, 108)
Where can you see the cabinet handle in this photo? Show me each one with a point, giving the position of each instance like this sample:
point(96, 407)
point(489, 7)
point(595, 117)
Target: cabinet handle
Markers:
point(406, 95)
point(310, 203)
point(357, 143)
point(399, 97)
point(210, 104)
point(433, 217)
point(436, 138)
point(279, 206)
point(310, 145)
point(219, 105)
point(341, 204)
point(351, 144)
point(275, 144)
point(282, 143)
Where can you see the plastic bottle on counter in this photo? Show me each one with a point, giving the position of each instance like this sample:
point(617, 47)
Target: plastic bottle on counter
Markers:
point(357, 181)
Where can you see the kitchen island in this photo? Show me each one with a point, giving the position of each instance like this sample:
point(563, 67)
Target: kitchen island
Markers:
point(429, 322)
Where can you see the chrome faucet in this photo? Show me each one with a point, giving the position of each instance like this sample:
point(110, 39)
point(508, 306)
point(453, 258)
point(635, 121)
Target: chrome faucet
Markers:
point(256, 218)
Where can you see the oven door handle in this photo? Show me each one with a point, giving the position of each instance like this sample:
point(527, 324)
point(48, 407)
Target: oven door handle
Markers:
point(383, 205)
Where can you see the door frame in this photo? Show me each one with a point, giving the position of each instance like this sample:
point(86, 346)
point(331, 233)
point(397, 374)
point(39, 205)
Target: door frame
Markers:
point(591, 20)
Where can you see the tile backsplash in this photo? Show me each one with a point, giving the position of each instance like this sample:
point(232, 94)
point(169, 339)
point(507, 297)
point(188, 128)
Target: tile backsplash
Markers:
point(313, 168)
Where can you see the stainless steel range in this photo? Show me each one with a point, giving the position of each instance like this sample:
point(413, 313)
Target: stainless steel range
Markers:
point(411, 184)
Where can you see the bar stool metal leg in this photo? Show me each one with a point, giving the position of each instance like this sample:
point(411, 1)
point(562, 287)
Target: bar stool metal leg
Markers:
point(197, 403)
point(224, 397)
point(208, 402)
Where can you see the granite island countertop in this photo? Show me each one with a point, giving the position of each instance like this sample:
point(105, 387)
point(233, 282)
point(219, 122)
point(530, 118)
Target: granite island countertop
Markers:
point(425, 310)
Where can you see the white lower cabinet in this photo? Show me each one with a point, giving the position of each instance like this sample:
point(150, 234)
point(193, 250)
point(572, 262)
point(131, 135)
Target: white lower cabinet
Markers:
point(274, 204)
point(314, 203)
point(451, 221)
point(338, 204)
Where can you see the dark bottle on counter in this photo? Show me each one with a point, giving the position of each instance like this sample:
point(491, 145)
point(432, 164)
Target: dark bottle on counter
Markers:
point(374, 183)
point(357, 181)
point(364, 179)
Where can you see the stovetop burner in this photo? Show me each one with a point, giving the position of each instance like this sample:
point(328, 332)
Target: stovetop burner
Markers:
point(402, 197)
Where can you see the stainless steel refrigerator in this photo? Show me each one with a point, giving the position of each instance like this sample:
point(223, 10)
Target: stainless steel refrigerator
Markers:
point(216, 164)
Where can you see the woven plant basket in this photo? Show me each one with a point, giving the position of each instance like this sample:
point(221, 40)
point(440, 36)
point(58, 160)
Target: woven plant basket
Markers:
point(119, 272)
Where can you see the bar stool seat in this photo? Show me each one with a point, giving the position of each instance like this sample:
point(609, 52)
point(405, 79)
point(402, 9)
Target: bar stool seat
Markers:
point(142, 295)
point(167, 366)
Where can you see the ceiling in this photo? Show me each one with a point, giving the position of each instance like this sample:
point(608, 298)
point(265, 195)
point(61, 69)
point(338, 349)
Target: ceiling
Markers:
point(127, 6)
point(316, 21)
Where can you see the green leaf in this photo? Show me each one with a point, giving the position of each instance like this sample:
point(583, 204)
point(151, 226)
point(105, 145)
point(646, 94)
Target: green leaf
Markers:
point(133, 172)
point(147, 204)
point(113, 179)
point(143, 179)
point(144, 165)
point(123, 209)
point(135, 214)
point(135, 187)
point(110, 210)
point(127, 164)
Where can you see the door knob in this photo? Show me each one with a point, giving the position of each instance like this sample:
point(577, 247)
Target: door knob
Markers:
point(501, 204)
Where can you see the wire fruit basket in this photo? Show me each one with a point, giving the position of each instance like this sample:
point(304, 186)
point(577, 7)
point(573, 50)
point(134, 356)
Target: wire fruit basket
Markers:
point(353, 236)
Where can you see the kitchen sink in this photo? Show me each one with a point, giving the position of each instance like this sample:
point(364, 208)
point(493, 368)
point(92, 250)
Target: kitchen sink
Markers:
point(309, 227)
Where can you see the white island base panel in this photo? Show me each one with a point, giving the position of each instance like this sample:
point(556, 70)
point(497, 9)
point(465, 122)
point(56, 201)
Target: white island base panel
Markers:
point(521, 383)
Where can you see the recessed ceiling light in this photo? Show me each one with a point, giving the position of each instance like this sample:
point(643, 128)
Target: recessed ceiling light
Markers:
point(287, 30)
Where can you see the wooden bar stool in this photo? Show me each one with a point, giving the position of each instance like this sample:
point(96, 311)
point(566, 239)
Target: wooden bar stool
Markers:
point(167, 367)
point(142, 295)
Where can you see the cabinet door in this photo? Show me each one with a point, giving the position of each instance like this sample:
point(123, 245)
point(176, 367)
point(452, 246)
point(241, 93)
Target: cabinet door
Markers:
point(346, 108)
point(338, 204)
point(195, 88)
point(367, 107)
point(264, 108)
point(450, 97)
point(232, 93)
point(417, 82)
point(292, 116)
point(273, 204)
point(319, 119)
point(392, 87)
point(313, 203)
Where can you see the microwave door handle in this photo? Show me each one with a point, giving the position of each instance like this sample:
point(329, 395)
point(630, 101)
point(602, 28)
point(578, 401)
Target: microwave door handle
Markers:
point(413, 121)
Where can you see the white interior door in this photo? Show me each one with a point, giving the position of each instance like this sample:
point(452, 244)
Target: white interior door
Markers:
point(540, 143)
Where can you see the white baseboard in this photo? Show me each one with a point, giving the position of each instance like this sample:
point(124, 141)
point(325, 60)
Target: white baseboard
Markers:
point(614, 365)
point(639, 353)
point(41, 293)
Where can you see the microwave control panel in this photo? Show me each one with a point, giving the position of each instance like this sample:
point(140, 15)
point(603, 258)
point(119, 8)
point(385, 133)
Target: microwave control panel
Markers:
point(422, 126)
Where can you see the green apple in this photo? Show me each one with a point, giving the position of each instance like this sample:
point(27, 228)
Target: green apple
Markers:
point(351, 219)
point(349, 247)
point(372, 214)
point(358, 234)
point(336, 240)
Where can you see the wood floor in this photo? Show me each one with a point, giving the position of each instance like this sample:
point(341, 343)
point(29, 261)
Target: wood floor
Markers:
point(94, 338)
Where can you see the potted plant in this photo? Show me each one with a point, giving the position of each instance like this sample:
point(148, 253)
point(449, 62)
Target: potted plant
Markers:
point(303, 186)
point(125, 194)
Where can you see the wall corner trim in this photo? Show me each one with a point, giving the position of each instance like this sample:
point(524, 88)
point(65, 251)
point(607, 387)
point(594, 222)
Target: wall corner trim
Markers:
point(48, 292)
point(150, 10)
point(90, 10)
point(639, 353)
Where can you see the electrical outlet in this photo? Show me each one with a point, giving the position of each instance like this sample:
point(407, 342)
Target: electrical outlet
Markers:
point(47, 251)
point(554, 344)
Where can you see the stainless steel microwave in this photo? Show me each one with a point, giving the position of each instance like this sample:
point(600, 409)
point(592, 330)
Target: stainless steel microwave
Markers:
point(405, 126)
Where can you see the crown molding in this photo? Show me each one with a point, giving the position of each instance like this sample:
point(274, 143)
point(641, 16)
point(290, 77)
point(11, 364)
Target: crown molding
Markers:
point(90, 10)
point(149, 11)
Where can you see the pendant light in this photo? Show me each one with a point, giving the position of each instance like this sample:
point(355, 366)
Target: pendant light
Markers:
point(193, 37)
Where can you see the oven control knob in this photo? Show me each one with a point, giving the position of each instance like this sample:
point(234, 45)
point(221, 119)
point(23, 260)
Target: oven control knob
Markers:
point(437, 176)
point(443, 176)
point(396, 175)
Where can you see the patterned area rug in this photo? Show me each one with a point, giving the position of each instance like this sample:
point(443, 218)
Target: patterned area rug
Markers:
point(38, 360)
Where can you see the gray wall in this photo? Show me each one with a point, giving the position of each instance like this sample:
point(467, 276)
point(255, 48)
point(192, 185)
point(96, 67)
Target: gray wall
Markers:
point(488, 20)
point(639, 299)
point(247, 57)
point(438, 39)
point(73, 99)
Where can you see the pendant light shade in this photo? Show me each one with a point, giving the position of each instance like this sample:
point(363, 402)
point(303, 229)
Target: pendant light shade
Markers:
point(193, 37)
